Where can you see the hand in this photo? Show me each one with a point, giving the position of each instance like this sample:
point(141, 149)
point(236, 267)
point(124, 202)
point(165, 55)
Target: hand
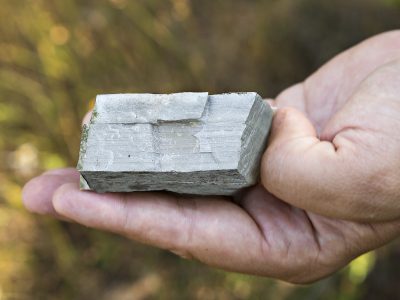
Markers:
point(330, 178)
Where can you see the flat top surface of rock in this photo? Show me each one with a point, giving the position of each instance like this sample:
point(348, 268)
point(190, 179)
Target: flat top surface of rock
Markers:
point(149, 108)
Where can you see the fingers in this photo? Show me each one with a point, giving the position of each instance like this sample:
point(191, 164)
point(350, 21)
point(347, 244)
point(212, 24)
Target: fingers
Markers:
point(293, 97)
point(212, 230)
point(303, 170)
point(351, 171)
point(338, 178)
point(329, 88)
point(38, 193)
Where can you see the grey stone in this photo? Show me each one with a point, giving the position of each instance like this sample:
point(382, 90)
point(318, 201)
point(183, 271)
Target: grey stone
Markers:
point(191, 143)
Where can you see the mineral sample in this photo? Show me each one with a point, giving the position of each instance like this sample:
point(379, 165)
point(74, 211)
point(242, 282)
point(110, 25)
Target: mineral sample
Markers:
point(191, 143)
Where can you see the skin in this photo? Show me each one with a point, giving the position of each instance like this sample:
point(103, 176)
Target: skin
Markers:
point(329, 190)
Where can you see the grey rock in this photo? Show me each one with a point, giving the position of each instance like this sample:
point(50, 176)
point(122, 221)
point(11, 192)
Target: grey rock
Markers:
point(191, 143)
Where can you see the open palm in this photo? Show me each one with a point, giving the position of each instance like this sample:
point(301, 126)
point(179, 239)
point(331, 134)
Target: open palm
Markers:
point(256, 232)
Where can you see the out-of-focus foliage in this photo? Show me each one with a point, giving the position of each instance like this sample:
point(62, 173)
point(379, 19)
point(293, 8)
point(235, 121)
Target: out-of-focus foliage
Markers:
point(55, 56)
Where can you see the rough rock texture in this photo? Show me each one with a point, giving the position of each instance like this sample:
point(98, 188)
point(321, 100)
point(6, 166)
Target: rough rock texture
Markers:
point(191, 143)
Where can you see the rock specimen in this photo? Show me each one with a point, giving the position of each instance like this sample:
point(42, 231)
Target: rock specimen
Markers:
point(191, 143)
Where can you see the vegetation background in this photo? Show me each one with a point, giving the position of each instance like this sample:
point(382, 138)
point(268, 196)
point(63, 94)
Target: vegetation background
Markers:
point(55, 56)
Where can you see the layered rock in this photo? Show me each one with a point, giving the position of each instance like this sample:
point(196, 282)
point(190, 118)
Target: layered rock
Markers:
point(191, 143)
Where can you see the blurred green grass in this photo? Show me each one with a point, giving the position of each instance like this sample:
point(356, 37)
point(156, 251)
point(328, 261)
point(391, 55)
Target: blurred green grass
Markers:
point(55, 56)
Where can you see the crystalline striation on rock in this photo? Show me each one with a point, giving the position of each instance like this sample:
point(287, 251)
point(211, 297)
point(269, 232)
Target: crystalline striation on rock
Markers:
point(191, 143)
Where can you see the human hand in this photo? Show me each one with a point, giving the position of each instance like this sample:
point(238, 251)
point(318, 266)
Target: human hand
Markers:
point(329, 182)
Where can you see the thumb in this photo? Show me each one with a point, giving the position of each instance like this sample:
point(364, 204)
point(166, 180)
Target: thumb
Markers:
point(301, 169)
